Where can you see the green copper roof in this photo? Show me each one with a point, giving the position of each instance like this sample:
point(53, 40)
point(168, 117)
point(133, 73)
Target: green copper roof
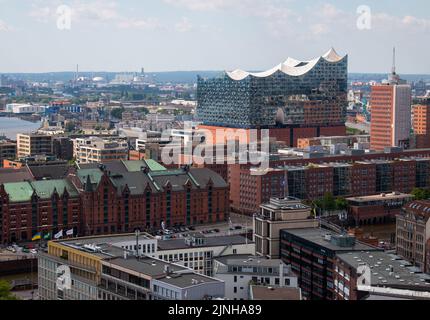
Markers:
point(135, 166)
point(95, 175)
point(19, 192)
point(45, 189)
point(154, 165)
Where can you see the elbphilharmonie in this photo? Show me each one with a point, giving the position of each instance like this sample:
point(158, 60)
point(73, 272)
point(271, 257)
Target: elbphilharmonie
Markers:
point(294, 99)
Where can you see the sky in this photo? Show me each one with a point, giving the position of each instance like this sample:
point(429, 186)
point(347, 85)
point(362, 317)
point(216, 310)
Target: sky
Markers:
point(185, 35)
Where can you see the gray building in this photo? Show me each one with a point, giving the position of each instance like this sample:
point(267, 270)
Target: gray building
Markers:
point(240, 272)
point(93, 269)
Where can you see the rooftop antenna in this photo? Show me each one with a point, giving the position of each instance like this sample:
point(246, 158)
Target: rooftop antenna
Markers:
point(393, 70)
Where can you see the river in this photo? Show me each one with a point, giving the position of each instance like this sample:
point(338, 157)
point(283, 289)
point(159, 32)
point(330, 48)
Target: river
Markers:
point(10, 127)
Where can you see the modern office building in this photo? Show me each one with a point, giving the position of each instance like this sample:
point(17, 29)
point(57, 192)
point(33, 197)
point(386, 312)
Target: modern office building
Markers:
point(7, 151)
point(312, 253)
point(62, 148)
point(240, 272)
point(391, 113)
point(198, 252)
point(277, 215)
point(296, 99)
point(98, 150)
point(413, 233)
point(378, 276)
point(85, 269)
point(421, 125)
point(33, 144)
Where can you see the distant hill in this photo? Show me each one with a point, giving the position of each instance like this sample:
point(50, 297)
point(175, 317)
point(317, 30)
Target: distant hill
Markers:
point(180, 76)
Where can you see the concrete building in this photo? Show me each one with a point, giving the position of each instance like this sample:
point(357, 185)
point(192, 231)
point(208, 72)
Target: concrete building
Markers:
point(198, 252)
point(350, 141)
point(98, 150)
point(83, 269)
point(241, 272)
point(33, 144)
point(279, 214)
point(195, 252)
point(7, 151)
point(413, 233)
point(421, 125)
point(270, 293)
point(391, 113)
point(18, 108)
point(312, 253)
point(378, 276)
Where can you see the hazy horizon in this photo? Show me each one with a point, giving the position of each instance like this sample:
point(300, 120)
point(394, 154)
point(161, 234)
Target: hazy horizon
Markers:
point(194, 35)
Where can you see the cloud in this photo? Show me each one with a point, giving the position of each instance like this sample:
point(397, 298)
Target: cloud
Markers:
point(184, 25)
point(95, 12)
point(4, 26)
point(204, 5)
point(142, 24)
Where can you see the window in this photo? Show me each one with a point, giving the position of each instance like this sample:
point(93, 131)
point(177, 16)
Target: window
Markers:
point(235, 289)
point(235, 279)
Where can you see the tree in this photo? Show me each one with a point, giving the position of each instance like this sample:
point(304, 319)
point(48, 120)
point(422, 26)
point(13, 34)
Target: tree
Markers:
point(341, 203)
point(5, 293)
point(117, 113)
point(420, 194)
point(329, 202)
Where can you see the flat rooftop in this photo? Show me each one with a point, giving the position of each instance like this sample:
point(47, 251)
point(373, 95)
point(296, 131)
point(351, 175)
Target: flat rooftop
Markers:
point(275, 293)
point(388, 269)
point(147, 266)
point(247, 260)
point(176, 244)
point(377, 197)
point(317, 236)
point(178, 276)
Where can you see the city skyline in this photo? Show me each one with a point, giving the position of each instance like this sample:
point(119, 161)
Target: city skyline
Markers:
point(189, 35)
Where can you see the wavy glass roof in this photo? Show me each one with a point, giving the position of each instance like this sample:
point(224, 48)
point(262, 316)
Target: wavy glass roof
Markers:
point(291, 67)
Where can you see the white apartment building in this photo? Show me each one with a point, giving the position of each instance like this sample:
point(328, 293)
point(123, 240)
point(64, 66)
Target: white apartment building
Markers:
point(99, 150)
point(18, 108)
point(239, 272)
point(195, 252)
point(279, 214)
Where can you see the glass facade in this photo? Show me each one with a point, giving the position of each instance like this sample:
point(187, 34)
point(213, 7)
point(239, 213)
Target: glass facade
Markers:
point(315, 98)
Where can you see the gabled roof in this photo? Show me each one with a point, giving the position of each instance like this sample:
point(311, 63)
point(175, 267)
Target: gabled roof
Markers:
point(15, 175)
point(19, 191)
point(95, 175)
point(135, 181)
point(57, 171)
point(45, 189)
point(134, 166)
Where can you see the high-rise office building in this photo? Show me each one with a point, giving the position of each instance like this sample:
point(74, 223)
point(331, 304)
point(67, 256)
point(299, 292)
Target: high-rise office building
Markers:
point(391, 113)
point(296, 99)
point(421, 124)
